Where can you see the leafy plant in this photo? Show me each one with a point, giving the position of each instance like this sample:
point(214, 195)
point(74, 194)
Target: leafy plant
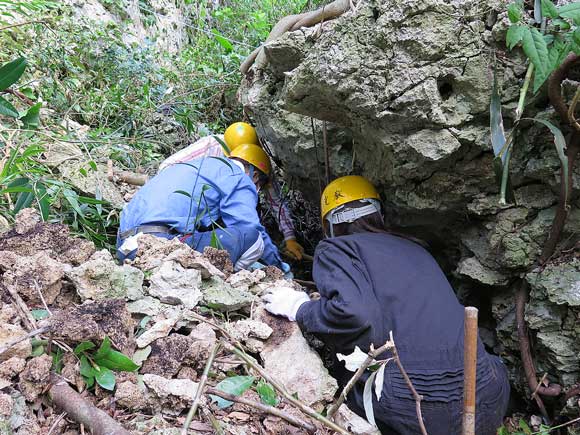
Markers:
point(99, 366)
point(238, 385)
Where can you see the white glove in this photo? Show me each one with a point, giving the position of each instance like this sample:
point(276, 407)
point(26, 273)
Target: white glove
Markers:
point(285, 302)
point(130, 244)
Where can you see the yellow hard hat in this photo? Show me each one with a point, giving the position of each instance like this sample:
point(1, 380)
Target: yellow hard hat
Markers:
point(254, 155)
point(240, 133)
point(346, 189)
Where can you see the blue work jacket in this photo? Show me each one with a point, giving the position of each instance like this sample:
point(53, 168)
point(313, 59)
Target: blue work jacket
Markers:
point(195, 194)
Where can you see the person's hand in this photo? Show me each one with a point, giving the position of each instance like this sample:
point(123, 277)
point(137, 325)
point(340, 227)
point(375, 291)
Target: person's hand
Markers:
point(285, 302)
point(294, 249)
point(285, 267)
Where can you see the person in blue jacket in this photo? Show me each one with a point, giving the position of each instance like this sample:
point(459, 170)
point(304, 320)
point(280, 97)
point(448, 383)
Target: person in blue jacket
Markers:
point(204, 202)
point(372, 282)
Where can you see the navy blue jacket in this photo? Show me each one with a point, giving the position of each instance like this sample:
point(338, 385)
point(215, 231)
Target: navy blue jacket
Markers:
point(373, 283)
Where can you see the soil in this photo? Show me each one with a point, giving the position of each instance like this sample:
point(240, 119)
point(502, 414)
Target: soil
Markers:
point(220, 259)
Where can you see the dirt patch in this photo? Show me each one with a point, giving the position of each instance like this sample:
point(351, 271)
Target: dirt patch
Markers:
point(169, 354)
point(273, 274)
point(35, 377)
point(94, 321)
point(281, 328)
point(220, 259)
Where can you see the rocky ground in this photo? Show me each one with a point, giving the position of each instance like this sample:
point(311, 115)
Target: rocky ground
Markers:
point(166, 310)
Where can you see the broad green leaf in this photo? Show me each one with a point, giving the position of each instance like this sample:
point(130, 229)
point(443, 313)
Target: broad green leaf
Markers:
point(514, 35)
point(496, 121)
point(86, 368)
point(104, 349)
point(89, 381)
point(514, 12)
point(227, 45)
point(548, 9)
point(31, 119)
point(93, 165)
point(105, 378)
point(560, 144)
point(38, 350)
point(535, 48)
point(115, 360)
point(368, 398)
point(11, 72)
point(562, 24)
point(267, 393)
point(571, 11)
point(576, 35)
point(235, 385)
point(82, 347)
point(380, 380)
point(39, 314)
point(7, 109)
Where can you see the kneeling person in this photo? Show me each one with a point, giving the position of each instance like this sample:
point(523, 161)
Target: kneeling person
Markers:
point(201, 200)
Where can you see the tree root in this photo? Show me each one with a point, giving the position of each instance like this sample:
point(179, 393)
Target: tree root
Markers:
point(83, 412)
point(295, 22)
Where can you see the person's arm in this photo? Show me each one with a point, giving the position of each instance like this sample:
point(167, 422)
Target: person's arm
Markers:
point(343, 314)
point(238, 207)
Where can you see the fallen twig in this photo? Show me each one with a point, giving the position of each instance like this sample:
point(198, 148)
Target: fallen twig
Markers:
point(31, 334)
point(282, 390)
point(125, 176)
point(264, 408)
point(56, 422)
point(83, 412)
point(200, 386)
point(355, 377)
point(22, 308)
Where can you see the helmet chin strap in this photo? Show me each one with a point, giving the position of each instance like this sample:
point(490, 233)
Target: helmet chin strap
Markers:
point(343, 214)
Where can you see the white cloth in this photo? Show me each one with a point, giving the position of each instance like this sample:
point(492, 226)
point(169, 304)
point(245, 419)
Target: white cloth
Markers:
point(253, 254)
point(130, 244)
point(285, 302)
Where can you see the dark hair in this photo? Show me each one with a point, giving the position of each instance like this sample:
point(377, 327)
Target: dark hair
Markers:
point(372, 223)
point(263, 178)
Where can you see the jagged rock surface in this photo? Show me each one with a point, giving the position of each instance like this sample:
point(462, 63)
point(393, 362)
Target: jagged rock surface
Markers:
point(404, 89)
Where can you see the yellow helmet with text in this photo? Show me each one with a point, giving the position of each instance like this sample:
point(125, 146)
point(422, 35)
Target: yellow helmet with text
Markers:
point(254, 155)
point(240, 133)
point(344, 190)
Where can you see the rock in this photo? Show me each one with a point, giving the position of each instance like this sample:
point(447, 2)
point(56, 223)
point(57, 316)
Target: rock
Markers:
point(472, 268)
point(101, 278)
point(54, 239)
point(153, 251)
point(6, 405)
point(4, 225)
point(249, 332)
point(147, 305)
point(191, 259)
point(169, 353)
point(220, 295)
point(220, 259)
point(32, 276)
point(35, 377)
point(9, 333)
point(93, 321)
point(161, 328)
point(26, 220)
point(245, 279)
point(289, 359)
point(559, 282)
point(129, 395)
point(353, 423)
point(172, 280)
point(11, 367)
point(175, 394)
point(203, 332)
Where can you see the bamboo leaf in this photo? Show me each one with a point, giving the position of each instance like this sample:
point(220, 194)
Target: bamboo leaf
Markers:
point(11, 72)
point(496, 121)
point(368, 398)
point(7, 109)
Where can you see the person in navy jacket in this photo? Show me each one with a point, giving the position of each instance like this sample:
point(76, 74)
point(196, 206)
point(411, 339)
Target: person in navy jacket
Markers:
point(372, 282)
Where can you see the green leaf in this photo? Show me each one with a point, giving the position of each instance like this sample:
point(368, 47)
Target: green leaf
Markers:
point(24, 200)
point(7, 109)
point(93, 165)
point(535, 48)
point(225, 146)
point(514, 35)
point(227, 45)
point(115, 360)
point(368, 398)
point(524, 426)
point(89, 381)
point(11, 72)
point(31, 119)
point(496, 121)
point(562, 24)
point(235, 385)
point(560, 144)
point(39, 314)
point(576, 35)
point(571, 11)
point(105, 378)
point(43, 203)
point(86, 368)
point(38, 350)
point(82, 347)
point(183, 192)
point(267, 393)
point(549, 9)
point(104, 349)
point(514, 12)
